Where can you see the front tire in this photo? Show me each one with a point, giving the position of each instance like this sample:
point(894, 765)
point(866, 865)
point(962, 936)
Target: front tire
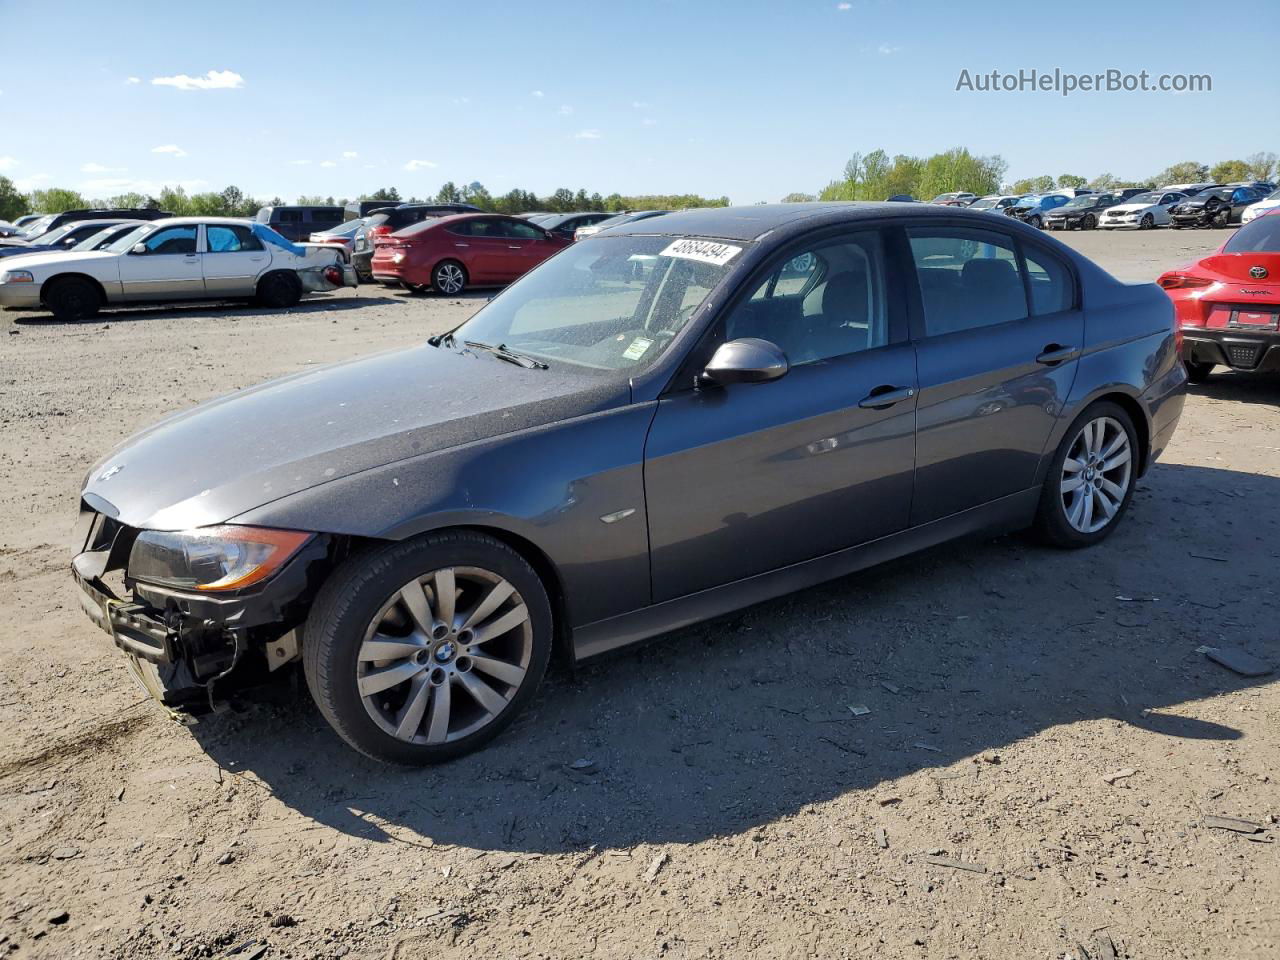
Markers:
point(449, 277)
point(424, 650)
point(1091, 478)
point(1197, 372)
point(73, 298)
point(1147, 222)
point(1089, 222)
point(279, 289)
point(1036, 222)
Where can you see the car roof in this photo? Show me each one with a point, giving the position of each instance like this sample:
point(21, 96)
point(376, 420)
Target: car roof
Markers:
point(752, 223)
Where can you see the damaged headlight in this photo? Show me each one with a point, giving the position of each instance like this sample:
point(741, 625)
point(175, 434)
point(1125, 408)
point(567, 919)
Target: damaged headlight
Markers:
point(212, 558)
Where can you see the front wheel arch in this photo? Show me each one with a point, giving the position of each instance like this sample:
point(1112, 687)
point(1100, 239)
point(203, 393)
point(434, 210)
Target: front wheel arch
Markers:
point(48, 284)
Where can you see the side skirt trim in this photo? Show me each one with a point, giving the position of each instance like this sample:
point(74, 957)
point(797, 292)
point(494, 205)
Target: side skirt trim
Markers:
point(1013, 512)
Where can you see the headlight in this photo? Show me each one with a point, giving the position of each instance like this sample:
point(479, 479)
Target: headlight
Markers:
point(17, 276)
point(212, 559)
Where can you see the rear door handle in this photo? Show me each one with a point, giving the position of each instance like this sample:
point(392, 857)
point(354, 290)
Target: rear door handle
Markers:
point(462, 244)
point(514, 246)
point(1055, 353)
point(886, 396)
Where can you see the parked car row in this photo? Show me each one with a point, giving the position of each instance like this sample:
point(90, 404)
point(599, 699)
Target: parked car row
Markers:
point(1176, 205)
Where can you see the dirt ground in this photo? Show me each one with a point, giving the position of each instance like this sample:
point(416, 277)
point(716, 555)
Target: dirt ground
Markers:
point(1042, 747)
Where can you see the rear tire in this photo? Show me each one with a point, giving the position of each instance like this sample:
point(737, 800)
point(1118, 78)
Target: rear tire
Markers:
point(73, 298)
point(407, 676)
point(279, 289)
point(1198, 372)
point(1094, 469)
point(449, 278)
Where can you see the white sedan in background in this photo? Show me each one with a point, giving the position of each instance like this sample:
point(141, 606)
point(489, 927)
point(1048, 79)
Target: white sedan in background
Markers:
point(1265, 205)
point(184, 258)
point(1142, 212)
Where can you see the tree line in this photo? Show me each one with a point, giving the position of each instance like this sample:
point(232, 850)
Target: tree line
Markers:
point(234, 202)
point(876, 176)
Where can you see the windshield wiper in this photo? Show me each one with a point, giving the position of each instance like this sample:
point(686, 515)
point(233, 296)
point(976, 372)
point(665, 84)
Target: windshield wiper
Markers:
point(502, 353)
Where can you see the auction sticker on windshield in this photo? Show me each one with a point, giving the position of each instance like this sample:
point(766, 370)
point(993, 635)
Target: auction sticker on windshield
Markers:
point(704, 251)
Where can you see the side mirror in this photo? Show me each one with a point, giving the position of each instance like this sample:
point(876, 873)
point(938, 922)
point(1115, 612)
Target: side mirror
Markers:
point(748, 360)
point(138, 248)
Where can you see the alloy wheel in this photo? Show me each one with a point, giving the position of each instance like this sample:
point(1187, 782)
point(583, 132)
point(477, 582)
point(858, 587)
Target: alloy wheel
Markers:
point(449, 278)
point(1096, 474)
point(444, 655)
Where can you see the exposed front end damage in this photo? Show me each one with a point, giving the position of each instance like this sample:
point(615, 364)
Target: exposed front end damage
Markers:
point(192, 652)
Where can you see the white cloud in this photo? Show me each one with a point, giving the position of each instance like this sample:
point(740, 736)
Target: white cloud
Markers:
point(298, 163)
point(132, 80)
point(649, 122)
point(844, 6)
point(413, 165)
point(565, 110)
point(538, 93)
point(885, 49)
point(99, 168)
point(7, 163)
point(461, 101)
point(32, 182)
point(213, 80)
point(639, 105)
point(350, 155)
point(328, 163)
point(170, 148)
point(587, 135)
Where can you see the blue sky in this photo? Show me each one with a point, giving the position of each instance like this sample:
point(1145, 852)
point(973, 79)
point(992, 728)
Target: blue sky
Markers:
point(748, 99)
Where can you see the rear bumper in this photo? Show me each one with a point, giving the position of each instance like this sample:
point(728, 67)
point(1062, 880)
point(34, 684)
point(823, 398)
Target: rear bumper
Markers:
point(1237, 348)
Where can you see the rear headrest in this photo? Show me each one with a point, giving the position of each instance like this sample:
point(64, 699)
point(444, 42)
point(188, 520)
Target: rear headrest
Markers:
point(989, 274)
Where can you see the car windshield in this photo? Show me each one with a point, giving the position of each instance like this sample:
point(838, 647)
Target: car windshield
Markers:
point(348, 229)
point(1221, 194)
point(607, 303)
point(1026, 201)
point(1261, 235)
point(1144, 198)
point(616, 221)
point(986, 203)
point(53, 236)
point(129, 239)
point(1081, 201)
point(37, 227)
point(95, 240)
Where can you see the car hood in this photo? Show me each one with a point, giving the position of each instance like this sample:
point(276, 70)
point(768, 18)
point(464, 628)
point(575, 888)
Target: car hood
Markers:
point(1192, 202)
point(211, 463)
point(1131, 207)
point(62, 260)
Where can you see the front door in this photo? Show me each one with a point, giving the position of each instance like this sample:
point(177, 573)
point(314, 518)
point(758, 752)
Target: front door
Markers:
point(169, 269)
point(744, 478)
point(233, 260)
point(999, 334)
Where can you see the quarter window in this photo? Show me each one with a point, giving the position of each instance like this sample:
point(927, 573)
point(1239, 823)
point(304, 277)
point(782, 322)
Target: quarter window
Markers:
point(968, 279)
point(819, 303)
point(1050, 282)
point(519, 230)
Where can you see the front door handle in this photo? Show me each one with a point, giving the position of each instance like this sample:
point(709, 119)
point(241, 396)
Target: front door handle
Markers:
point(462, 244)
point(1055, 353)
point(514, 246)
point(886, 396)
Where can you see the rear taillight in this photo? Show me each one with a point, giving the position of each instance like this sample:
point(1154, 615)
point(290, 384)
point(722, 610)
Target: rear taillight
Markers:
point(1182, 281)
point(333, 275)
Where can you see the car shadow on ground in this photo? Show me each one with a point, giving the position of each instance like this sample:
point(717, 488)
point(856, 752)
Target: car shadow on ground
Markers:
point(1240, 387)
point(956, 653)
point(312, 303)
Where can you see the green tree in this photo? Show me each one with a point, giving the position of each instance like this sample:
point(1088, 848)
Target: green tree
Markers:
point(390, 194)
point(561, 201)
point(1103, 182)
point(798, 198)
point(12, 203)
point(476, 194)
point(1262, 165)
point(449, 193)
point(206, 205)
point(1189, 171)
point(57, 200)
point(127, 201)
point(311, 200)
point(1070, 181)
point(1229, 170)
point(175, 201)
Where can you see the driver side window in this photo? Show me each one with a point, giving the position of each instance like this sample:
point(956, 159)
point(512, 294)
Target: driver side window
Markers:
point(819, 303)
point(173, 240)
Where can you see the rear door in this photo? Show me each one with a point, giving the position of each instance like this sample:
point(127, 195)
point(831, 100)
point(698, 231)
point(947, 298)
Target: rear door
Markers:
point(169, 269)
point(484, 251)
point(749, 477)
point(233, 260)
point(998, 334)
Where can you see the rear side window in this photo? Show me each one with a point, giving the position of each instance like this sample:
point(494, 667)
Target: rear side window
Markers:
point(519, 230)
point(1052, 290)
point(968, 279)
point(326, 215)
point(288, 216)
point(224, 238)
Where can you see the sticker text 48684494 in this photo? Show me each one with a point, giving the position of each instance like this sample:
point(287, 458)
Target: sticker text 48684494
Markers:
point(704, 251)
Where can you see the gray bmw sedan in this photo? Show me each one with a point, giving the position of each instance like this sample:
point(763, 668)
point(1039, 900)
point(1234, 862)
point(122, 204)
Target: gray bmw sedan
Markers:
point(661, 424)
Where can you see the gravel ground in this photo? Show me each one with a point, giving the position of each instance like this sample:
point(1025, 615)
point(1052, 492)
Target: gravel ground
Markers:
point(1042, 748)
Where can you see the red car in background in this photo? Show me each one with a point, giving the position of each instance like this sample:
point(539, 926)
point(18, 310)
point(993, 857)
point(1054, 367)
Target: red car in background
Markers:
point(452, 253)
point(1228, 303)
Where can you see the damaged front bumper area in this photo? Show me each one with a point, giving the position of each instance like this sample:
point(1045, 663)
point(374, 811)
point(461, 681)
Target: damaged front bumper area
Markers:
point(193, 651)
